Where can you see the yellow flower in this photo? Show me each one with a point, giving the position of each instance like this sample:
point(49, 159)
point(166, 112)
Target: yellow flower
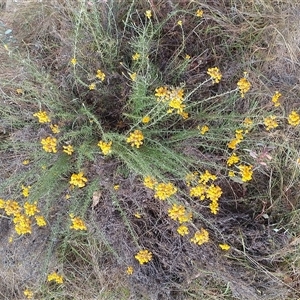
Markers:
point(187, 57)
point(161, 92)
point(25, 190)
point(55, 277)
point(176, 103)
point(206, 176)
point(275, 99)
point(198, 191)
point(233, 159)
point(77, 223)
point(179, 23)
point(92, 86)
point(2, 203)
point(19, 91)
point(149, 182)
point(26, 162)
point(116, 187)
point(22, 224)
point(135, 138)
point(73, 61)
point(100, 75)
point(78, 180)
point(133, 76)
point(294, 118)
point(244, 86)
point(40, 221)
point(12, 208)
point(42, 116)
point(183, 230)
point(28, 293)
point(246, 172)
point(68, 149)
point(248, 122)
point(178, 212)
point(143, 256)
point(199, 13)
point(231, 174)
point(137, 215)
point(148, 14)
point(224, 247)
point(129, 270)
point(105, 147)
point(214, 207)
point(136, 56)
point(203, 129)
point(200, 237)
point(233, 143)
point(146, 119)
point(184, 115)
point(213, 192)
point(215, 74)
point(164, 190)
point(270, 122)
point(30, 209)
point(49, 144)
point(54, 128)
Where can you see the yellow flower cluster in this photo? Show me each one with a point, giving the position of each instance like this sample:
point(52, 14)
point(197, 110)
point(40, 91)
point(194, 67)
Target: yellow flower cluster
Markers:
point(148, 14)
point(183, 230)
point(270, 122)
point(248, 122)
point(244, 86)
point(233, 159)
point(275, 99)
point(135, 138)
point(25, 190)
point(294, 118)
point(54, 128)
point(77, 223)
point(129, 270)
point(238, 138)
point(21, 215)
point(73, 61)
point(42, 117)
point(143, 256)
point(146, 119)
point(224, 247)
point(203, 189)
point(200, 237)
point(178, 213)
point(199, 13)
point(203, 129)
point(150, 182)
point(174, 97)
point(215, 74)
point(28, 294)
point(92, 86)
point(246, 172)
point(55, 277)
point(105, 147)
point(49, 144)
point(68, 149)
point(136, 56)
point(164, 190)
point(30, 209)
point(78, 180)
point(100, 75)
